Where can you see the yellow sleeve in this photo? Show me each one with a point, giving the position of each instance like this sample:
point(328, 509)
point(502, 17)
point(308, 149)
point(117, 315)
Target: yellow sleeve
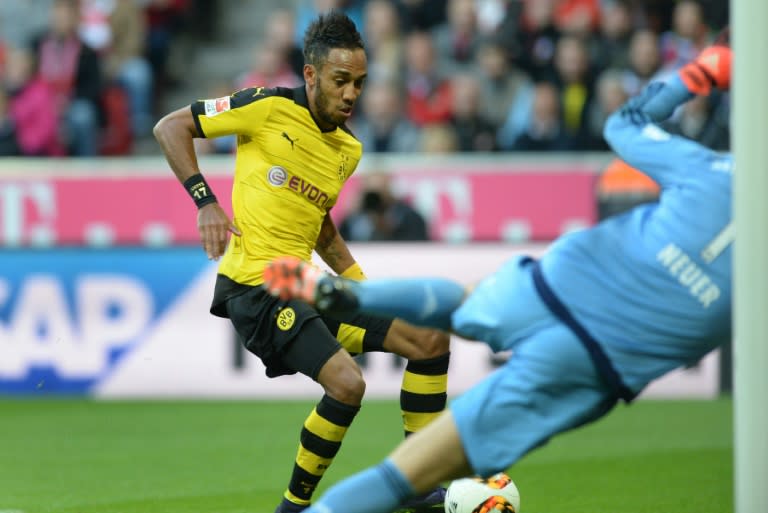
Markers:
point(242, 113)
point(354, 272)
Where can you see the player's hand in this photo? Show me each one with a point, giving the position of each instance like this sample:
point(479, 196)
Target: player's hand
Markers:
point(214, 226)
point(711, 68)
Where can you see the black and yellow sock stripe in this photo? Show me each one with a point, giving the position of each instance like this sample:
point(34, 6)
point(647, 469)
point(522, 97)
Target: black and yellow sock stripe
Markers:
point(320, 440)
point(424, 391)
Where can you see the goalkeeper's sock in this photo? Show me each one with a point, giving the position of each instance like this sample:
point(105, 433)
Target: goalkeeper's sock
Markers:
point(422, 301)
point(379, 489)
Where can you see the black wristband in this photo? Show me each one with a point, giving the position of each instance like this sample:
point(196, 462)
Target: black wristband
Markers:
point(199, 189)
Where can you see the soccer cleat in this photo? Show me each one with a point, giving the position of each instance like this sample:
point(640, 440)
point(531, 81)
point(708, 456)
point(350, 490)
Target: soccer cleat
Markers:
point(287, 506)
point(430, 502)
point(292, 278)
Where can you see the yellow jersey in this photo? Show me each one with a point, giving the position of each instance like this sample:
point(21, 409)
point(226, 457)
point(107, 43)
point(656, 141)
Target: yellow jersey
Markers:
point(288, 174)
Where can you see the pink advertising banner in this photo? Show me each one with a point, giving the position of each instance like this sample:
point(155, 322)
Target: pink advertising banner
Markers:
point(512, 202)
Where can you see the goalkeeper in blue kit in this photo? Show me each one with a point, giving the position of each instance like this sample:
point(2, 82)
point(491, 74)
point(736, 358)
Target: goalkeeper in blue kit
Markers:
point(604, 312)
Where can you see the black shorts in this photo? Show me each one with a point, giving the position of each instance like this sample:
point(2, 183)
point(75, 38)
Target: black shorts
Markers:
point(291, 336)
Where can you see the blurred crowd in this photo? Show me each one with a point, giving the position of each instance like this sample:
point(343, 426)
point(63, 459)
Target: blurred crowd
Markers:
point(83, 77)
point(504, 75)
point(444, 75)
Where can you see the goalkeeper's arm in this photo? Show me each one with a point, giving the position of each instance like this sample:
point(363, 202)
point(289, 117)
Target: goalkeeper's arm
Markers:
point(633, 133)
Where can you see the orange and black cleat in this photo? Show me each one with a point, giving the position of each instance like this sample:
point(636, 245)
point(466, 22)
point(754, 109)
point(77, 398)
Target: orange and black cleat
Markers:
point(292, 278)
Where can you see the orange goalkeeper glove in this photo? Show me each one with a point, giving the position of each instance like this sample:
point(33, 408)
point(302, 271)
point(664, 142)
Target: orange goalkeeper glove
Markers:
point(712, 67)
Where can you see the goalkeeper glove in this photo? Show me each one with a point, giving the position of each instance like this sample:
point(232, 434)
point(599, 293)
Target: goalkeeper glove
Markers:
point(712, 68)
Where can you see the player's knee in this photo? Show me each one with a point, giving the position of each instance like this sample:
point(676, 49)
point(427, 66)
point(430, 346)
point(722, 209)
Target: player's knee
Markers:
point(435, 343)
point(416, 343)
point(427, 344)
point(346, 386)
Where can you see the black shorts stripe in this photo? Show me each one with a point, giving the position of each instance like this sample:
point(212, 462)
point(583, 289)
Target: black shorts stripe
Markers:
point(423, 403)
point(317, 445)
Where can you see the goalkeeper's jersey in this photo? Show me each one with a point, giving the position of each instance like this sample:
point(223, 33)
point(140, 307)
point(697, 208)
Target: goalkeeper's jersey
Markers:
point(655, 282)
point(288, 174)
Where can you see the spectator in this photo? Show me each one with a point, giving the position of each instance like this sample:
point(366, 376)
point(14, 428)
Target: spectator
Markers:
point(118, 31)
point(32, 107)
point(644, 61)
point(611, 43)
point(382, 216)
point(579, 18)
point(610, 95)
point(439, 138)
point(165, 19)
point(473, 131)
point(20, 21)
point(491, 15)
point(279, 31)
point(456, 39)
point(428, 91)
point(545, 131)
point(383, 40)
point(654, 15)
point(422, 15)
point(689, 35)
point(573, 77)
point(505, 90)
point(537, 38)
point(73, 70)
point(383, 125)
point(270, 68)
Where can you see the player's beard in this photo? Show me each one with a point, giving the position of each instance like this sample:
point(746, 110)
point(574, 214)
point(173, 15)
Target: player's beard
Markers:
point(322, 105)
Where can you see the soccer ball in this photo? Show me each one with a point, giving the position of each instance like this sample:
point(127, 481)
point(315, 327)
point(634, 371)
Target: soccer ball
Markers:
point(497, 494)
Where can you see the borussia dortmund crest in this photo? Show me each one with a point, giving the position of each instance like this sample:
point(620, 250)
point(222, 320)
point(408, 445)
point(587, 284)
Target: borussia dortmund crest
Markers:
point(343, 166)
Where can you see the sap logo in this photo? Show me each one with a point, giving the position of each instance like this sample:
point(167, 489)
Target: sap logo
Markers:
point(76, 331)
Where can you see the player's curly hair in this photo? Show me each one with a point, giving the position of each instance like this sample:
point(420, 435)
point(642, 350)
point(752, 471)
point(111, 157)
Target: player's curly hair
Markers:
point(333, 29)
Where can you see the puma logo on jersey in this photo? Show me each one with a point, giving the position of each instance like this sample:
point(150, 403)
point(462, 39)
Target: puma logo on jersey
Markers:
point(292, 141)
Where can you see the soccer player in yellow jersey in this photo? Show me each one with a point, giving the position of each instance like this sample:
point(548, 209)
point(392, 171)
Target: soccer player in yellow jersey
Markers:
point(294, 153)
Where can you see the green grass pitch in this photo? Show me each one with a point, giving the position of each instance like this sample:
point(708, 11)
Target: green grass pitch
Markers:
point(78, 456)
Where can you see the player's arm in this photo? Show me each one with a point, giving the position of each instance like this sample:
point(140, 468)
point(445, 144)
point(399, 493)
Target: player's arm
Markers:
point(334, 251)
point(175, 133)
point(632, 131)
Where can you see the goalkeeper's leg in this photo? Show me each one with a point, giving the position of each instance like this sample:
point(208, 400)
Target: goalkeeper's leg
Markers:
point(420, 301)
